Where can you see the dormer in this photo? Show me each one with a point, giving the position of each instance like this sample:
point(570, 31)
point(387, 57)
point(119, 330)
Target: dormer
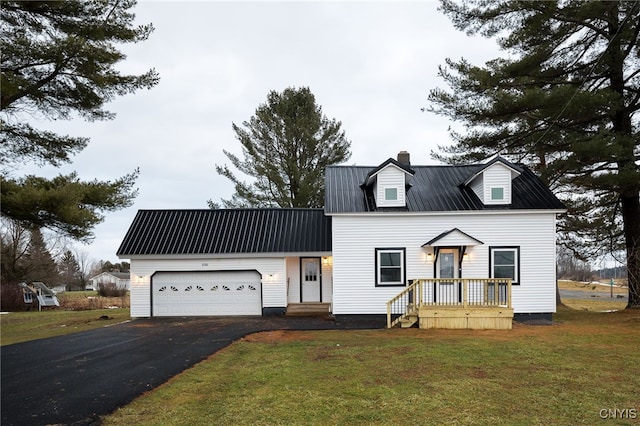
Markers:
point(389, 182)
point(493, 182)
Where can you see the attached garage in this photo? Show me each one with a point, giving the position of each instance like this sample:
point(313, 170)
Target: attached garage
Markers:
point(222, 262)
point(206, 293)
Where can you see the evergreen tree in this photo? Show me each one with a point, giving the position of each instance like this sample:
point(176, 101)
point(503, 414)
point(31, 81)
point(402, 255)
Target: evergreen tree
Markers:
point(38, 262)
point(69, 270)
point(58, 59)
point(564, 99)
point(286, 146)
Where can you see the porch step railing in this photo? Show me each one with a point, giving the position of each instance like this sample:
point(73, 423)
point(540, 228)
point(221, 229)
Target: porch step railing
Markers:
point(443, 292)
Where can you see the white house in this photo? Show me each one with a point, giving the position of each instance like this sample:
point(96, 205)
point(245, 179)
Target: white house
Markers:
point(120, 279)
point(474, 236)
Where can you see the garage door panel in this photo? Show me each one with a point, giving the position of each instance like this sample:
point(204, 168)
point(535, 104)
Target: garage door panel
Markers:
point(207, 293)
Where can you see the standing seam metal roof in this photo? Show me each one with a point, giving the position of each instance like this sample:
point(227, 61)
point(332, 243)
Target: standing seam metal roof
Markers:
point(227, 231)
point(435, 189)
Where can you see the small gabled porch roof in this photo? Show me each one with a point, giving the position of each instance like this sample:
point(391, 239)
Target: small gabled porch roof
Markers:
point(453, 237)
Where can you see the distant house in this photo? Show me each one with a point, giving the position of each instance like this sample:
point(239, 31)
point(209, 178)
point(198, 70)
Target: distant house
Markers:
point(436, 245)
point(120, 279)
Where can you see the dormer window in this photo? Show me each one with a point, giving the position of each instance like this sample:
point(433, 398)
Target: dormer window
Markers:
point(391, 194)
point(492, 183)
point(387, 184)
point(497, 194)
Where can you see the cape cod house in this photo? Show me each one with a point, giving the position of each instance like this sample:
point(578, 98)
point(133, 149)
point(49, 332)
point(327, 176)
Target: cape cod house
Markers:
point(445, 246)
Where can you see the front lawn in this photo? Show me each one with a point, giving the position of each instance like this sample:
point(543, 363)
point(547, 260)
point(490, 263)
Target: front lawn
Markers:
point(576, 371)
point(16, 327)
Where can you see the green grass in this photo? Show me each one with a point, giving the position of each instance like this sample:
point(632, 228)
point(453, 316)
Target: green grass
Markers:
point(548, 375)
point(16, 327)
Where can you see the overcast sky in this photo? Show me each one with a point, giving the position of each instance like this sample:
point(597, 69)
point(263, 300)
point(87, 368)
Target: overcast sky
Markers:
point(370, 65)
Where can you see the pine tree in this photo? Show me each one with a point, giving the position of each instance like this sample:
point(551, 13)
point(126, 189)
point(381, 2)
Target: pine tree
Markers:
point(564, 99)
point(59, 59)
point(69, 271)
point(286, 146)
point(38, 262)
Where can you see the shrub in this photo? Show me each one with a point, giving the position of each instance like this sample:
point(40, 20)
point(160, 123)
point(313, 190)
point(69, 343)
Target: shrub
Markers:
point(111, 290)
point(11, 298)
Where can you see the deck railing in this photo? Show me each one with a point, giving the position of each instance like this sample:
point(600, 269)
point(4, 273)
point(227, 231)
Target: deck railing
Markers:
point(453, 292)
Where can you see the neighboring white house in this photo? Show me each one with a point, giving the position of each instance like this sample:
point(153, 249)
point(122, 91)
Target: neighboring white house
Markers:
point(382, 228)
point(60, 288)
point(120, 279)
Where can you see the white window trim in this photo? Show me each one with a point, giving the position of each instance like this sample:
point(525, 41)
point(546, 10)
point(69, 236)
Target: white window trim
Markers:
point(402, 252)
point(516, 249)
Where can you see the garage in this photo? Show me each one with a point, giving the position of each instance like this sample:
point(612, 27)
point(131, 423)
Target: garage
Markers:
point(207, 293)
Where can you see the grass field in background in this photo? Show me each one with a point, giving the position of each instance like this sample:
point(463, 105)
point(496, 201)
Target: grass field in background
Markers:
point(568, 373)
point(599, 296)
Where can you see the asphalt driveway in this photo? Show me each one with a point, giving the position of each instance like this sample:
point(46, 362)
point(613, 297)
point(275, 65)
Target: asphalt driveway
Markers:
point(74, 379)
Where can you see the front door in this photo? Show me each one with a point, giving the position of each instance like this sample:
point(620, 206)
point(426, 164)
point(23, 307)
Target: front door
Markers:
point(447, 292)
point(310, 279)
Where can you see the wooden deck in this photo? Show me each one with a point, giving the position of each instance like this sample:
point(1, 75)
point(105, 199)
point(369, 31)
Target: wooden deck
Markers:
point(470, 303)
point(496, 318)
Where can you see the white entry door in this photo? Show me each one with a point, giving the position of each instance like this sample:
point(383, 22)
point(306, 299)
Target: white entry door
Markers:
point(447, 292)
point(310, 279)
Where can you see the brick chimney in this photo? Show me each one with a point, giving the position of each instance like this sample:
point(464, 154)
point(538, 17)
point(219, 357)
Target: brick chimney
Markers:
point(404, 158)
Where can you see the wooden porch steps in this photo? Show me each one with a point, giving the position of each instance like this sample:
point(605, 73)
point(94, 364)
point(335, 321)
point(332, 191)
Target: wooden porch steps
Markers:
point(308, 309)
point(409, 321)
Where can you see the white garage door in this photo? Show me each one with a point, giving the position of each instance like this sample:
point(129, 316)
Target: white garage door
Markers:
point(206, 293)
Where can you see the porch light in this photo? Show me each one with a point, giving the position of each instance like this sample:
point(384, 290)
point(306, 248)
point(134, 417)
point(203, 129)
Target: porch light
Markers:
point(326, 261)
point(429, 257)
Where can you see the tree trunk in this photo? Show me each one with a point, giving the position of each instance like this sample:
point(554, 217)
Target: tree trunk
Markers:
point(631, 218)
point(623, 128)
point(558, 297)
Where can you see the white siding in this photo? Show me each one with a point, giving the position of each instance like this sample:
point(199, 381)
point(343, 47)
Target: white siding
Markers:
point(355, 238)
point(327, 281)
point(293, 279)
point(477, 185)
point(273, 270)
point(390, 177)
point(497, 176)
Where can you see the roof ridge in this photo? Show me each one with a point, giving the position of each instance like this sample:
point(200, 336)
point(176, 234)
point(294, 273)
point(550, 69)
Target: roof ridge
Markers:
point(253, 209)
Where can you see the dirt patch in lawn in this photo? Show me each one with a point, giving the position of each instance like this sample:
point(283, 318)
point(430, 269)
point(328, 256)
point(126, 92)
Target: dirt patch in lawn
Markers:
point(566, 320)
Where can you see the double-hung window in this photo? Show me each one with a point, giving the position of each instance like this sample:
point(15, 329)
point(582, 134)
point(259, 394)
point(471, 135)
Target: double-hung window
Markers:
point(505, 263)
point(390, 266)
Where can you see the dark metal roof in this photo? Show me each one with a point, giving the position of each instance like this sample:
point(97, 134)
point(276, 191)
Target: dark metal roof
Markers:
point(227, 231)
point(434, 188)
